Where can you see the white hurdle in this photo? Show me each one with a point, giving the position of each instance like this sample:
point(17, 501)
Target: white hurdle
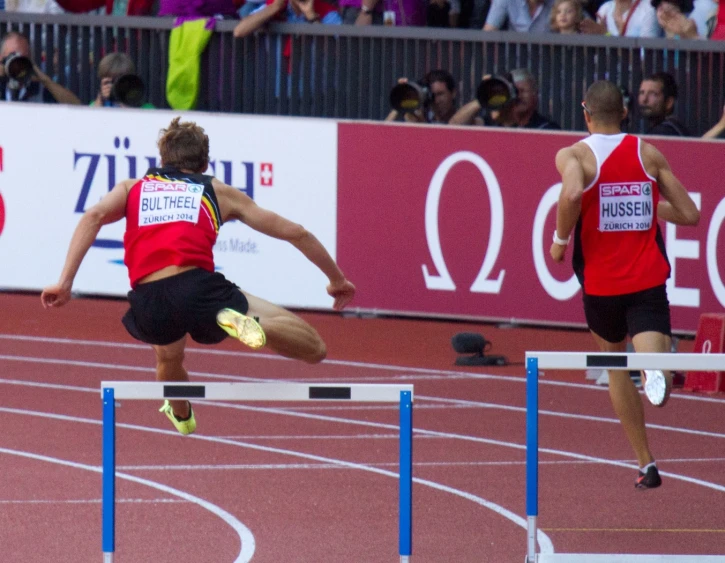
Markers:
point(585, 360)
point(382, 393)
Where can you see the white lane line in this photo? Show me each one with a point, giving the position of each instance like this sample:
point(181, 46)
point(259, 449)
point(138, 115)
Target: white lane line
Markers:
point(246, 538)
point(418, 431)
point(435, 373)
point(545, 544)
point(459, 403)
point(97, 501)
point(295, 466)
point(466, 438)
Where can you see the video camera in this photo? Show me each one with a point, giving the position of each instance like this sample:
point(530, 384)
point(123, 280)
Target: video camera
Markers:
point(128, 90)
point(18, 69)
point(408, 97)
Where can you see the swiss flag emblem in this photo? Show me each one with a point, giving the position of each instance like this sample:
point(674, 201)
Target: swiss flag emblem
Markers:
point(266, 174)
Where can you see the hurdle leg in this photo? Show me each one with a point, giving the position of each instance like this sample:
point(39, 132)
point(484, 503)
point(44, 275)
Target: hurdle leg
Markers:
point(532, 455)
point(406, 477)
point(108, 510)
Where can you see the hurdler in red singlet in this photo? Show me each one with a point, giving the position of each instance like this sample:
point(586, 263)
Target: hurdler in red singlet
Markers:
point(172, 219)
point(619, 216)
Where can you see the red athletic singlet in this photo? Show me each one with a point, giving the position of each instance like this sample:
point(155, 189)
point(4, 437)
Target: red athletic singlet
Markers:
point(618, 247)
point(172, 219)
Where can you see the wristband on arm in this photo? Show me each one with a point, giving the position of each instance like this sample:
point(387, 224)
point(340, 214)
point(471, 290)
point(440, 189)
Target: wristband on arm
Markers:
point(561, 241)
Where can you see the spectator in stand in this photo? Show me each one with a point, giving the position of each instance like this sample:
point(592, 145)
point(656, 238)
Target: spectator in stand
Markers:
point(719, 32)
point(32, 6)
point(705, 17)
point(112, 67)
point(523, 111)
point(566, 16)
point(671, 15)
point(442, 88)
point(443, 13)
point(718, 130)
point(112, 7)
point(223, 9)
point(656, 101)
point(293, 11)
point(387, 12)
point(624, 18)
point(526, 16)
point(34, 85)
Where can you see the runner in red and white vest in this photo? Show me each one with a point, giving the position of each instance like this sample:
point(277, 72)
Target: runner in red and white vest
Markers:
point(614, 189)
point(173, 216)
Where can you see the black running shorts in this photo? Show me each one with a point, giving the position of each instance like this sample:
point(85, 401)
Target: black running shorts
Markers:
point(614, 316)
point(164, 311)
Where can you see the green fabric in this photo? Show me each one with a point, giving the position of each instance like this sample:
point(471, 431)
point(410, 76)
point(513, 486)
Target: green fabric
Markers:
point(186, 44)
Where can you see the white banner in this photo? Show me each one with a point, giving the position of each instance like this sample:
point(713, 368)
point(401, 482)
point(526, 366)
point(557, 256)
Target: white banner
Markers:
point(57, 161)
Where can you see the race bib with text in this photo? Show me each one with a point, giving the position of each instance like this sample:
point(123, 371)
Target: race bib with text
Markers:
point(625, 206)
point(167, 202)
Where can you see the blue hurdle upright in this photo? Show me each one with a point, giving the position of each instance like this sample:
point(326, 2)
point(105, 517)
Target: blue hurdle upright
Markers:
point(582, 361)
point(111, 391)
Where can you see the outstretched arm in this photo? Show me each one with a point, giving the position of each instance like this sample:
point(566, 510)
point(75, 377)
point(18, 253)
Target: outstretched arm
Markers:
point(109, 210)
point(237, 205)
point(258, 18)
point(570, 198)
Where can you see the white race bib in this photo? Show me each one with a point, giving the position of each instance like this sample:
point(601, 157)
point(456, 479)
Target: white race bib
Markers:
point(625, 206)
point(167, 202)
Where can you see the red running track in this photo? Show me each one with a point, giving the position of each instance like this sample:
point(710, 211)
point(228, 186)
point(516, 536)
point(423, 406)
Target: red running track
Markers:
point(265, 481)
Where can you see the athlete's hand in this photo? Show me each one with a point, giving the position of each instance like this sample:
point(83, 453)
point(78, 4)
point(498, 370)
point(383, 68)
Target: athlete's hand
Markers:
point(557, 252)
point(55, 296)
point(342, 292)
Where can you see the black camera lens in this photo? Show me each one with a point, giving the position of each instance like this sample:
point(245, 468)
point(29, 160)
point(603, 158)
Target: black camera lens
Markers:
point(128, 90)
point(495, 92)
point(408, 97)
point(18, 67)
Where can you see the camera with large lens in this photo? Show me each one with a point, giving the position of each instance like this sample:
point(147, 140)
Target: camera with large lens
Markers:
point(408, 97)
point(18, 68)
point(127, 90)
point(495, 92)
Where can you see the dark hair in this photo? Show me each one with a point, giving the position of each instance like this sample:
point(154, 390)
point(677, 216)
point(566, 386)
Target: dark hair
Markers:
point(685, 6)
point(669, 86)
point(184, 146)
point(441, 76)
point(604, 102)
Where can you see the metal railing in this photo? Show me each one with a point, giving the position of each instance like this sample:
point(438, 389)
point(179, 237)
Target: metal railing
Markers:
point(348, 71)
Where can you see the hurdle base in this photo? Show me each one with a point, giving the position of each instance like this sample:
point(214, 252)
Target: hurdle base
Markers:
point(625, 558)
point(481, 360)
point(404, 559)
point(107, 557)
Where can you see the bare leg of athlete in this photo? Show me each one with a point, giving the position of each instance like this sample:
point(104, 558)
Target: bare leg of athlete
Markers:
point(627, 403)
point(287, 334)
point(654, 342)
point(169, 367)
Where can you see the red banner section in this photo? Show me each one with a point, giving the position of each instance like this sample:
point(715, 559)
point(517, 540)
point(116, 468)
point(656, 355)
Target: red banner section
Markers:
point(458, 222)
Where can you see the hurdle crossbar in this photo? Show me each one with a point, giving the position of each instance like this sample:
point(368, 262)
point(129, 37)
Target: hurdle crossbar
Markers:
point(602, 360)
point(379, 393)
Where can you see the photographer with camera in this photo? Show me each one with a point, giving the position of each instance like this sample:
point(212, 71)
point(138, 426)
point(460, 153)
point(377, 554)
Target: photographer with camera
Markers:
point(120, 86)
point(511, 100)
point(20, 78)
point(432, 100)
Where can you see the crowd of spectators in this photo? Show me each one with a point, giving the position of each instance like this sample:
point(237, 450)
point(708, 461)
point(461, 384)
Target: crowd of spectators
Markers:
point(684, 19)
point(655, 100)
